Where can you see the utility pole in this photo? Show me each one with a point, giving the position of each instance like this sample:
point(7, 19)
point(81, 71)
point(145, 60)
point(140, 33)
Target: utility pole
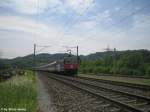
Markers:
point(37, 51)
point(77, 56)
point(115, 60)
point(34, 61)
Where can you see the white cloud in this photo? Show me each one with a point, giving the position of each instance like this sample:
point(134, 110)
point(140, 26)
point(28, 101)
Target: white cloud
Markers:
point(86, 34)
point(27, 25)
point(117, 8)
point(22, 6)
point(93, 23)
point(102, 17)
point(85, 25)
point(31, 6)
point(24, 32)
point(80, 6)
point(14, 44)
point(135, 37)
point(141, 22)
point(26, 6)
point(40, 6)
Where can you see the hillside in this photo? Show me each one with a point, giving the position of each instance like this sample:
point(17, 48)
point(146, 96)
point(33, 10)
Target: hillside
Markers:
point(27, 61)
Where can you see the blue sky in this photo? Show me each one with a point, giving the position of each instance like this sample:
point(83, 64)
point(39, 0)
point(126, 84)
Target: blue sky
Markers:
point(90, 24)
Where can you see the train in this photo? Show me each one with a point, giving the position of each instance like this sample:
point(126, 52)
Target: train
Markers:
point(67, 66)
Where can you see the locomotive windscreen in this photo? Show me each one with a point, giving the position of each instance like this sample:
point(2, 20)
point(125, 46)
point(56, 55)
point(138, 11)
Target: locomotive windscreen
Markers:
point(70, 60)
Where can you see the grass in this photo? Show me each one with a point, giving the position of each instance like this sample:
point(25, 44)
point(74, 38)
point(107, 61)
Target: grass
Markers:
point(120, 79)
point(19, 92)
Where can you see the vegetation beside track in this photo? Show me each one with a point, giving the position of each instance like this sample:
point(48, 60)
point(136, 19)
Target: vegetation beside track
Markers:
point(140, 81)
point(19, 92)
point(129, 63)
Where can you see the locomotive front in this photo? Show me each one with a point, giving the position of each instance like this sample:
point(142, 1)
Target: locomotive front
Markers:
point(71, 65)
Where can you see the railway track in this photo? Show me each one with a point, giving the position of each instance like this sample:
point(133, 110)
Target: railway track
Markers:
point(114, 99)
point(133, 89)
point(135, 86)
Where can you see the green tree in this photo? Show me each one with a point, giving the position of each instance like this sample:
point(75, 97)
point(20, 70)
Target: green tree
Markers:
point(131, 60)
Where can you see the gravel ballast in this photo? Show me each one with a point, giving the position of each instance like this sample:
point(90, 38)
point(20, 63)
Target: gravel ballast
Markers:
point(67, 99)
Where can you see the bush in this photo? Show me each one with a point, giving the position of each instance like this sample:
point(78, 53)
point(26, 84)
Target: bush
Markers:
point(148, 71)
point(132, 63)
point(131, 72)
point(136, 72)
point(83, 70)
point(90, 70)
point(125, 71)
point(101, 70)
point(20, 72)
point(114, 70)
point(95, 70)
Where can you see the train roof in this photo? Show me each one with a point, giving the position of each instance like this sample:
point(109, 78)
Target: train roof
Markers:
point(52, 63)
point(45, 65)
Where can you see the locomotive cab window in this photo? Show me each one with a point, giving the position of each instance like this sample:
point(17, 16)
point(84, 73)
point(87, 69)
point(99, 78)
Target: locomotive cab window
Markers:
point(67, 61)
point(70, 60)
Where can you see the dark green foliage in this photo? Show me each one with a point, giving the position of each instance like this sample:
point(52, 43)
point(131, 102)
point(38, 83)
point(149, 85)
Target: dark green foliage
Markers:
point(132, 60)
point(27, 61)
point(148, 71)
point(4, 65)
point(133, 63)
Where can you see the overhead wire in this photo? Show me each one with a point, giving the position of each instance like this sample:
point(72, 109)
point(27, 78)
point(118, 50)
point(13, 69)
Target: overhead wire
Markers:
point(69, 24)
point(125, 18)
point(68, 27)
point(131, 14)
point(122, 8)
point(77, 20)
point(37, 20)
point(38, 17)
point(43, 47)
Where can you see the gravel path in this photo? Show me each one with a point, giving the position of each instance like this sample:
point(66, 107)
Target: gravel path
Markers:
point(44, 100)
point(67, 99)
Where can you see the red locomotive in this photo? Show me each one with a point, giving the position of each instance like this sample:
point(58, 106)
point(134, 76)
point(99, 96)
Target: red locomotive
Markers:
point(68, 66)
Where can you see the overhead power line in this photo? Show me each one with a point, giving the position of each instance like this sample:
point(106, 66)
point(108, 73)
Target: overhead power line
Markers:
point(122, 8)
point(43, 47)
point(131, 14)
point(123, 19)
point(69, 25)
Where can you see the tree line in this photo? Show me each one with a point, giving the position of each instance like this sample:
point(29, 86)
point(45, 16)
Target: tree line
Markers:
point(132, 63)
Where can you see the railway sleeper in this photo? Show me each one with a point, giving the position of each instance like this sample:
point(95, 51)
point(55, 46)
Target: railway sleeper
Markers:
point(115, 109)
point(111, 94)
point(130, 101)
point(105, 105)
point(141, 104)
point(92, 99)
point(98, 102)
point(109, 109)
point(122, 98)
point(115, 96)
